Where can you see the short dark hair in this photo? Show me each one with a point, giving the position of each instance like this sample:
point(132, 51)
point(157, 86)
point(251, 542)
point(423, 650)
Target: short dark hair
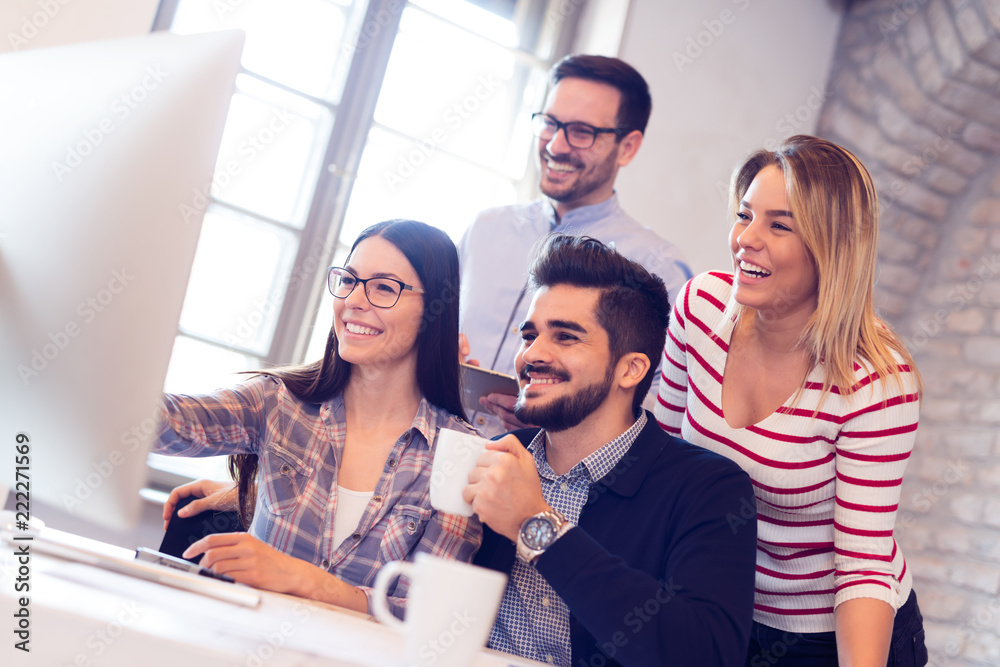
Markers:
point(636, 103)
point(633, 306)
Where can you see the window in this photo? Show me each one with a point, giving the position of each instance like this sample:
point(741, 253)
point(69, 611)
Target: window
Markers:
point(347, 113)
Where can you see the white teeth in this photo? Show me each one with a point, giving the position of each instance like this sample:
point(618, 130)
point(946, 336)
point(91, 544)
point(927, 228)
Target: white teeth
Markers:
point(358, 329)
point(753, 270)
point(544, 380)
point(560, 166)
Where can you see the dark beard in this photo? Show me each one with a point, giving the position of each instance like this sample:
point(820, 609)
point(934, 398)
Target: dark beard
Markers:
point(603, 172)
point(566, 411)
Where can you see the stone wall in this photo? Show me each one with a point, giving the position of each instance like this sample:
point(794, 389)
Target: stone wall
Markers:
point(915, 93)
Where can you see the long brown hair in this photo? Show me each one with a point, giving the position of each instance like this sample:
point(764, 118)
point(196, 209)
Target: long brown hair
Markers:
point(433, 256)
point(834, 201)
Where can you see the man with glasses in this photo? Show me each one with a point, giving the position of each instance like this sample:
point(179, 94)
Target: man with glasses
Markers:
point(592, 125)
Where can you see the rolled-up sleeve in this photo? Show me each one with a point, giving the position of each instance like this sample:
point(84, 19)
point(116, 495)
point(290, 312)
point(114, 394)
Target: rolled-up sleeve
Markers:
point(873, 449)
point(228, 421)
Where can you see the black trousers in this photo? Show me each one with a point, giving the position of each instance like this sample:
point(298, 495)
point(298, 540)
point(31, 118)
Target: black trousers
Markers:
point(770, 647)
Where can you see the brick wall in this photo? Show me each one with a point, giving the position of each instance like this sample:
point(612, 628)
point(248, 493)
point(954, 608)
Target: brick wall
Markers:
point(915, 93)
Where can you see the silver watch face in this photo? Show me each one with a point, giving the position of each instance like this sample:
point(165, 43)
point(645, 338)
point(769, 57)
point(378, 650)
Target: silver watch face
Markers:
point(538, 533)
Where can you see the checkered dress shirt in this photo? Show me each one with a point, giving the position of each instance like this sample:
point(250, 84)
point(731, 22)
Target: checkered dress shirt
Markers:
point(533, 621)
point(299, 446)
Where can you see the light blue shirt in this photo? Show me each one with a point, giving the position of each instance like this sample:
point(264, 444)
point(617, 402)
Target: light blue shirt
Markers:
point(495, 252)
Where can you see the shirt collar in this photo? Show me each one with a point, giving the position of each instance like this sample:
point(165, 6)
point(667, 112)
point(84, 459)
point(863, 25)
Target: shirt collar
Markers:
point(599, 463)
point(580, 217)
point(425, 421)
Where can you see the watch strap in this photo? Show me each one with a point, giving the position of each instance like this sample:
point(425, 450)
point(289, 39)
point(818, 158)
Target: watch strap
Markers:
point(562, 525)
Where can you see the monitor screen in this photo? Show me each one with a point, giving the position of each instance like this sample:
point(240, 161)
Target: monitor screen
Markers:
point(108, 153)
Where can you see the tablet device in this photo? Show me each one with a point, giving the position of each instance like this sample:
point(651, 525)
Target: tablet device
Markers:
point(166, 560)
point(123, 561)
point(478, 382)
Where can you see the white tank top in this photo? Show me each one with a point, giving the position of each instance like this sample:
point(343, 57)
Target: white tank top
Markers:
point(350, 506)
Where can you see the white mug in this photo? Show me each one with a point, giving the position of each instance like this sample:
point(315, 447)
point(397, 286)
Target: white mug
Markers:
point(450, 608)
point(455, 455)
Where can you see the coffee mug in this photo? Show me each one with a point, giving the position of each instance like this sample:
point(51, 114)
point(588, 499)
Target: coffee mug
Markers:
point(450, 608)
point(455, 455)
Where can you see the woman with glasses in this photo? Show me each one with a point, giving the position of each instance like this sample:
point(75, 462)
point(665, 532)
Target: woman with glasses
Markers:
point(333, 459)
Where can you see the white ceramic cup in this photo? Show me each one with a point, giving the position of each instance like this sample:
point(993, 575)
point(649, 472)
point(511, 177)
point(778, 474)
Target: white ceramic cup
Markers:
point(455, 455)
point(450, 608)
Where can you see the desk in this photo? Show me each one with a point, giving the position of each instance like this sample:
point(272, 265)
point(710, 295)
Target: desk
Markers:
point(84, 616)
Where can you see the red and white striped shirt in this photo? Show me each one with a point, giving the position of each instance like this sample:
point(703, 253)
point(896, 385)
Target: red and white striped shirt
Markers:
point(827, 486)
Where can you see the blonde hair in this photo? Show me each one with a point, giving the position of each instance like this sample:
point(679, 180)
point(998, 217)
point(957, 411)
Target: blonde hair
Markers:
point(834, 202)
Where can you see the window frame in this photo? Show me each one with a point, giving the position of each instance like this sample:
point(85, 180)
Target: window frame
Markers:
point(555, 26)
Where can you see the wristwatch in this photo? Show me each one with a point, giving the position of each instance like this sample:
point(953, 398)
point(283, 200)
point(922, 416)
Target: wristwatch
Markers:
point(538, 532)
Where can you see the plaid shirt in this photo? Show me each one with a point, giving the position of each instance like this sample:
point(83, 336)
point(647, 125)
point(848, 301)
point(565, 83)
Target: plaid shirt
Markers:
point(533, 621)
point(299, 446)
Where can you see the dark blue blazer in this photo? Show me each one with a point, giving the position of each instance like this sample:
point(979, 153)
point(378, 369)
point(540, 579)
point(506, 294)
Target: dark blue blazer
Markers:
point(660, 569)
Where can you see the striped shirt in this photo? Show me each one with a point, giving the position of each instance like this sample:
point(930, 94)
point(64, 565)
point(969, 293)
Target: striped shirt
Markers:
point(299, 445)
point(533, 621)
point(827, 486)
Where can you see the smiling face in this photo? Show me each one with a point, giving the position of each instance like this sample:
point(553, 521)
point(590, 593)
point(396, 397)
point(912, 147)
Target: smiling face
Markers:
point(574, 177)
point(564, 362)
point(383, 337)
point(774, 272)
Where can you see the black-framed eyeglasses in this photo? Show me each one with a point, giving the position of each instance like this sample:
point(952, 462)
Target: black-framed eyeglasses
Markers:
point(380, 292)
point(578, 135)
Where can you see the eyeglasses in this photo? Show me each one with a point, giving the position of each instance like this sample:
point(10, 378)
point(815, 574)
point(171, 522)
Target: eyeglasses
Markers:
point(380, 292)
point(578, 135)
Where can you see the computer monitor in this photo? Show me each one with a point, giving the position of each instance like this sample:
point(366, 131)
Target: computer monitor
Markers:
point(106, 162)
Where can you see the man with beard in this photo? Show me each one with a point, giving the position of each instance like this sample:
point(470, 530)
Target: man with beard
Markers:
point(592, 125)
point(623, 544)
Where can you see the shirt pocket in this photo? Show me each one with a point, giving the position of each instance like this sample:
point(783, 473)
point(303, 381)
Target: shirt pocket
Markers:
point(285, 478)
point(404, 530)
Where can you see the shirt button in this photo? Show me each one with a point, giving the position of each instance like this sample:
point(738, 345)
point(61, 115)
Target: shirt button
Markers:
point(564, 487)
point(546, 602)
point(356, 536)
point(325, 564)
point(377, 499)
point(549, 659)
point(286, 469)
point(480, 420)
point(411, 527)
point(392, 463)
point(514, 330)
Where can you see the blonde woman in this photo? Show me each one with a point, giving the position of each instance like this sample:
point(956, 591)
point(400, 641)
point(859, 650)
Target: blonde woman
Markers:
point(784, 367)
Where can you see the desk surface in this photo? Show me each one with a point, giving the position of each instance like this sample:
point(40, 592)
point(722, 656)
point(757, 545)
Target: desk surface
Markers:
point(83, 616)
